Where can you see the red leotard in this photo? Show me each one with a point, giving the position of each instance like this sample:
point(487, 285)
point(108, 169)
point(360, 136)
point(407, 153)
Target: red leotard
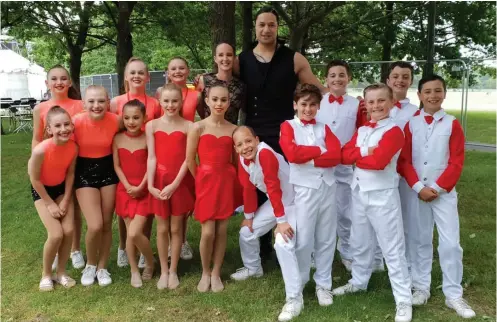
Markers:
point(72, 107)
point(134, 166)
point(170, 151)
point(190, 97)
point(153, 109)
point(217, 188)
point(95, 137)
point(56, 160)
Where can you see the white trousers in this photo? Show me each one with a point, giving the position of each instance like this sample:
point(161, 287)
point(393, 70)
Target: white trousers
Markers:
point(377, 216)
point(408, 200)
point(343, 200)
point(264, 221)
point(443, 212)
point(316, 226)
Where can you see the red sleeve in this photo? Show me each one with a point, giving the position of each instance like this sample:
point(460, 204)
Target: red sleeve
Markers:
point(333, 154)
point(351, 153)
point(270, 167)
point(296, 153)
point(362, 115)
point(249, 192)
point(391, 143)
point(452, 173)
point(404, 165)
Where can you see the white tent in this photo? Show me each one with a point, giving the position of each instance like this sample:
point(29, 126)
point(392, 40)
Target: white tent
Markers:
point(19, 77)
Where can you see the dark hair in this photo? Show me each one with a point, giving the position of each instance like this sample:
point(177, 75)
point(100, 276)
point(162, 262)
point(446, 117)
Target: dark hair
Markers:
point(238, 128)
point(430, 78)
point(132, 59)
point(377, 86)
point(401, 64)
point(138, 104)
point(224, 43)
point(73, 93)
point(214, 84)
point(338, 62)
point(54, 110)
point(268, 9)
point(303, 90)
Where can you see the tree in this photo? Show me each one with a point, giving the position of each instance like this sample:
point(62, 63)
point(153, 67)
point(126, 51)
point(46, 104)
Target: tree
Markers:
point(247, 24)
point(222, 23)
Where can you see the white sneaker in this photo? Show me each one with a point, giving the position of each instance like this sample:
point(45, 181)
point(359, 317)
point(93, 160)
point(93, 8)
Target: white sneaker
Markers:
point(55, 261)
point(420, 297)
point(77, 260)
point(347, 288)
point(243, 273)
point(403, 312)
point(103, 277)
point(291, 309)
point(313, 261)
point(186, 251)
point(89, 274)
point(324, 296)
point(348, 264)
point(141, 261)
point(378, 267)
point(122, 258)
point(461, 307)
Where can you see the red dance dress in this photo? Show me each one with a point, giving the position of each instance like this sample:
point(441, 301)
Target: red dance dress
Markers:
point(170, 152)
point(217, 188)
point(134, 166)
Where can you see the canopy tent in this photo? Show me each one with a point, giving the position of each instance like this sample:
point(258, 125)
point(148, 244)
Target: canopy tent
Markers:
point(19, 77)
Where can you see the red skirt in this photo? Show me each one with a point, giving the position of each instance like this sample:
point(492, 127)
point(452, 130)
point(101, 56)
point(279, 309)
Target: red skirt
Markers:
point(128, 207)
point(218, 192)
point(182, 200)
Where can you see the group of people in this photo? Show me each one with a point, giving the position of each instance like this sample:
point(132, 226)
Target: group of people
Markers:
point(366, 176)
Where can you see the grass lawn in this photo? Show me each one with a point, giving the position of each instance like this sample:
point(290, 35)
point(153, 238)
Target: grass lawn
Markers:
point(481, 126)
point(259, 300)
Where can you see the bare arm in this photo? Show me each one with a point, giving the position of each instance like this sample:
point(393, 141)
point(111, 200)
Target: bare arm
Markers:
point(70, 177)
point(113, 105)
point(151, 160)
point(117, 165)
point(37, 130)
point(304, 72)
point(191, 147)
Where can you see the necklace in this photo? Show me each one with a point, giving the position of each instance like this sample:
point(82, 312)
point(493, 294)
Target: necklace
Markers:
point(261, 57)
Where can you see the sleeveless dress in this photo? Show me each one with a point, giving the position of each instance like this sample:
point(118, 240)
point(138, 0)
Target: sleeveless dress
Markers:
point(217, 188)
point(134, 166)
point(170, 152)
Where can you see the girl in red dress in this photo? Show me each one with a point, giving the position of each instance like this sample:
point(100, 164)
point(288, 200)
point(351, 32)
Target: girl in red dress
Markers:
point(170, 184)
point(66, 96)
point(136, 77)
point(216, 186)
point(130, 162)
point(51, 172)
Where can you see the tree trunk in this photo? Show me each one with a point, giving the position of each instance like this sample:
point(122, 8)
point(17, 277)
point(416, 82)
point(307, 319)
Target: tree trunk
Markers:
point(430, 52)
point(75, 55)
point(247, 24)
point(297, 37)
point(388, 40)
point(222, 23)
point(124, 48)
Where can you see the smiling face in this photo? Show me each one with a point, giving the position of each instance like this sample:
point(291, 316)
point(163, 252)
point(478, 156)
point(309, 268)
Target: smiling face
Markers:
point(432, 96)
point(171, 101)
point(178, 71)
point(337, 80)
point(245, 143)
point(58, 82)
point(133, 119)
point(266, 28)
point(399, 80)
point(96, 102)
point(136, 74)
point(218, 100)
point(306, 107)
point(224, 57)
point(60, 127)
point(378, 103)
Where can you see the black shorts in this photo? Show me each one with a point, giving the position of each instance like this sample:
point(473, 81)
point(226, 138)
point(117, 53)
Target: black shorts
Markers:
point(95, 172)
point(53, 191)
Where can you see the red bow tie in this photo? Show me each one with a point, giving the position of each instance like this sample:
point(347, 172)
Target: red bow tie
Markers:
point(398, 105)
point(428, 119)
point(371, 125)
point(313, 121)
point(332, 99)
point(248, 162)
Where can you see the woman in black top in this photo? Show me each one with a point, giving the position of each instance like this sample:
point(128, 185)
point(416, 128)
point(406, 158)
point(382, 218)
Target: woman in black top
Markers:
point(224, 58)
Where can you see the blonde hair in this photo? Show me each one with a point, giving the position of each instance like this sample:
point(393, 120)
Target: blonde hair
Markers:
point(173, 87)
point(96, 87)
point(54, 110)
point(131, 60)
point(377, 86)
point(175, 58)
